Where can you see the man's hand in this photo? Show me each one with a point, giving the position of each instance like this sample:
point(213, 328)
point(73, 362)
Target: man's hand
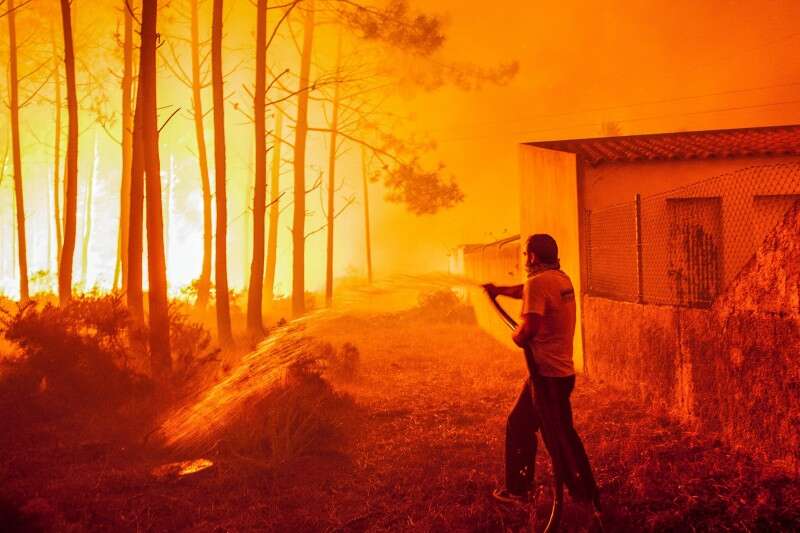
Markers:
point(518, 338)
point(491, 289)
point(512, 291)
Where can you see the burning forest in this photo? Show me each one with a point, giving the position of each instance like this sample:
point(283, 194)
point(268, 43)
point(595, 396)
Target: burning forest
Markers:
point(393, 265)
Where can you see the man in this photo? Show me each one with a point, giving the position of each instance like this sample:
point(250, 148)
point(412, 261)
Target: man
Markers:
point(546, 329)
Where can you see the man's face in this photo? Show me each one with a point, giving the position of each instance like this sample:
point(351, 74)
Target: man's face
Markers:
point(530, 259)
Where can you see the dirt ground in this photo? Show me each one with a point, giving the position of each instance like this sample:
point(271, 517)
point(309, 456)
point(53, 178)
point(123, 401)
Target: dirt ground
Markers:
point(424, 453)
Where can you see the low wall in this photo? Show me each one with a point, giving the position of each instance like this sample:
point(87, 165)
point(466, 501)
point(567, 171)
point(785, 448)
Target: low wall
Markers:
point(732, 369)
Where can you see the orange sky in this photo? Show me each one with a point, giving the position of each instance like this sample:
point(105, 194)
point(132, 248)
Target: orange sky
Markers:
point(648, 66)
point(583, 63)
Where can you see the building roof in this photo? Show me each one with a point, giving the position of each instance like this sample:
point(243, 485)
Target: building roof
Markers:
point(710, 144)
point(469, 248)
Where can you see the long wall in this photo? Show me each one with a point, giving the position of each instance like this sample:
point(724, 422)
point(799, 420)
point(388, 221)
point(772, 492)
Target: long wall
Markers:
point(733, 368)
point(498, 263)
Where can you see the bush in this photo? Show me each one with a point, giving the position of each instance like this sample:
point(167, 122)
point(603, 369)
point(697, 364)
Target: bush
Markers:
point(443, 306)
point(344, 364)
point(299, 415)
point(189, 342)
point(76, 354)
point(81, 354)
point(303, 416)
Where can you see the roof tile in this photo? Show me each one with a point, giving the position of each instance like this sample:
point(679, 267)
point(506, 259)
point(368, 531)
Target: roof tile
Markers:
point(770, 140)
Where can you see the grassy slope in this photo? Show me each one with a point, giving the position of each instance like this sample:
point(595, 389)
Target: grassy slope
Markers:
point(425, 453)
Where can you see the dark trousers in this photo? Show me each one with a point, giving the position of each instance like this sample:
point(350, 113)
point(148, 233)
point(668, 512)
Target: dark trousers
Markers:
point(547, 410)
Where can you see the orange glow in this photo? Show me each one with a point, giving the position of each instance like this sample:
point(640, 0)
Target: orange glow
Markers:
point(413, 356)
point(577, 73)
point(182, 468)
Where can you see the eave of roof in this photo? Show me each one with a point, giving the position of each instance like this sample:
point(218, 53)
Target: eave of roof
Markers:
point(708, 144)
point(499, 243)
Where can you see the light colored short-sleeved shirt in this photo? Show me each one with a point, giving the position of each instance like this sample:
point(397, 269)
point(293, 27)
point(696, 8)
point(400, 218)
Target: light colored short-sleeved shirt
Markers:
point(551, 295)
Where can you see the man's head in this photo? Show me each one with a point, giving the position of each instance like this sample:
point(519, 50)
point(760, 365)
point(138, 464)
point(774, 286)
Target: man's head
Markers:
point(541, 249)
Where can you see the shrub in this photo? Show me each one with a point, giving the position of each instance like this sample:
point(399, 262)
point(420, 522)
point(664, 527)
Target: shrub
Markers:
point(189, 342)
point(75, 354)
point(443, 306)
point(303, 416)
point(309, 418)
point(344, 364)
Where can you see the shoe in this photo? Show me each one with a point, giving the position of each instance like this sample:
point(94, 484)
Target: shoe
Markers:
point(506, 496)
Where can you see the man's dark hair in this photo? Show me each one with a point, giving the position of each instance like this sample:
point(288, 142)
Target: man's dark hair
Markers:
point(544, 247)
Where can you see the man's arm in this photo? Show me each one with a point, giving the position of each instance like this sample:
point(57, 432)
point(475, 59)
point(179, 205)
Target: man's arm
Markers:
point(512, 291)
point(527, 329)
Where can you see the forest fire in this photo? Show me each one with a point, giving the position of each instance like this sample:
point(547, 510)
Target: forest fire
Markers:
point(394, 265)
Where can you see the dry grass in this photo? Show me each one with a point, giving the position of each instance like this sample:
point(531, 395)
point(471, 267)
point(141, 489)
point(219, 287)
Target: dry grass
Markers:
point(425, 452)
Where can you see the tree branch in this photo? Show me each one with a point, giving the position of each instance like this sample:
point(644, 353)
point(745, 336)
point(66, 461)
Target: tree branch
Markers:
point(168, 119)
point(35, 70)
point(280, 22)
point(316, 184)
point(347, 204)
point(361, 142)
point(35, 92)
point(177, 69)
point(133, 15)
point(15, 8)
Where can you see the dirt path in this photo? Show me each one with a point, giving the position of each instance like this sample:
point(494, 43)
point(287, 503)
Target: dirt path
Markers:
point(425, 452)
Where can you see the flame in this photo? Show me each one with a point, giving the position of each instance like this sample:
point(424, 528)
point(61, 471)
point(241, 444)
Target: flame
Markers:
point(182, 468)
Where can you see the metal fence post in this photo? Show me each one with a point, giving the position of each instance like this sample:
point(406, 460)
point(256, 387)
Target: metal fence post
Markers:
point(587, 240)
point(639, 266)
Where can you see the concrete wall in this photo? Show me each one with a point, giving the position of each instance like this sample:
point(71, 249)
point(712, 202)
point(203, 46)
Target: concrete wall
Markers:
point(733, 368)
point(549, 204)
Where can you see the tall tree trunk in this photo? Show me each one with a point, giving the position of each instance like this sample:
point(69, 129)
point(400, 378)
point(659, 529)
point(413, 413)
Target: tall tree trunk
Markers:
point(87, 217)
point(204, 283)
point(301, 133)
point(160, 358)
point(10, 258)
point(170, 186)
point(15, 153)
point(331, 215)
point(274, 209)
point(365, 179)
point(71, 169)
point(57, 148)
point(247, 216)
point(14, 241)
point(134, 293)
point(48, 199)
point(221, 267)
point(127, 149)
point(255, 290)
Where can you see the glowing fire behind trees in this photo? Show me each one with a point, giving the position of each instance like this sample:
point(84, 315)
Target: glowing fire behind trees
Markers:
point(324, 111)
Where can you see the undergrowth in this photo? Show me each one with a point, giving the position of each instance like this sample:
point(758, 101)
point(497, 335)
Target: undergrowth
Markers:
point(303, 416)
point(442, 306)
point(73, 356)
point(82, 356)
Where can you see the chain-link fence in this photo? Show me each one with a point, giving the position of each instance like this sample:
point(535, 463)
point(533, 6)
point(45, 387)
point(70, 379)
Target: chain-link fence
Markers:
point(684, 246)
